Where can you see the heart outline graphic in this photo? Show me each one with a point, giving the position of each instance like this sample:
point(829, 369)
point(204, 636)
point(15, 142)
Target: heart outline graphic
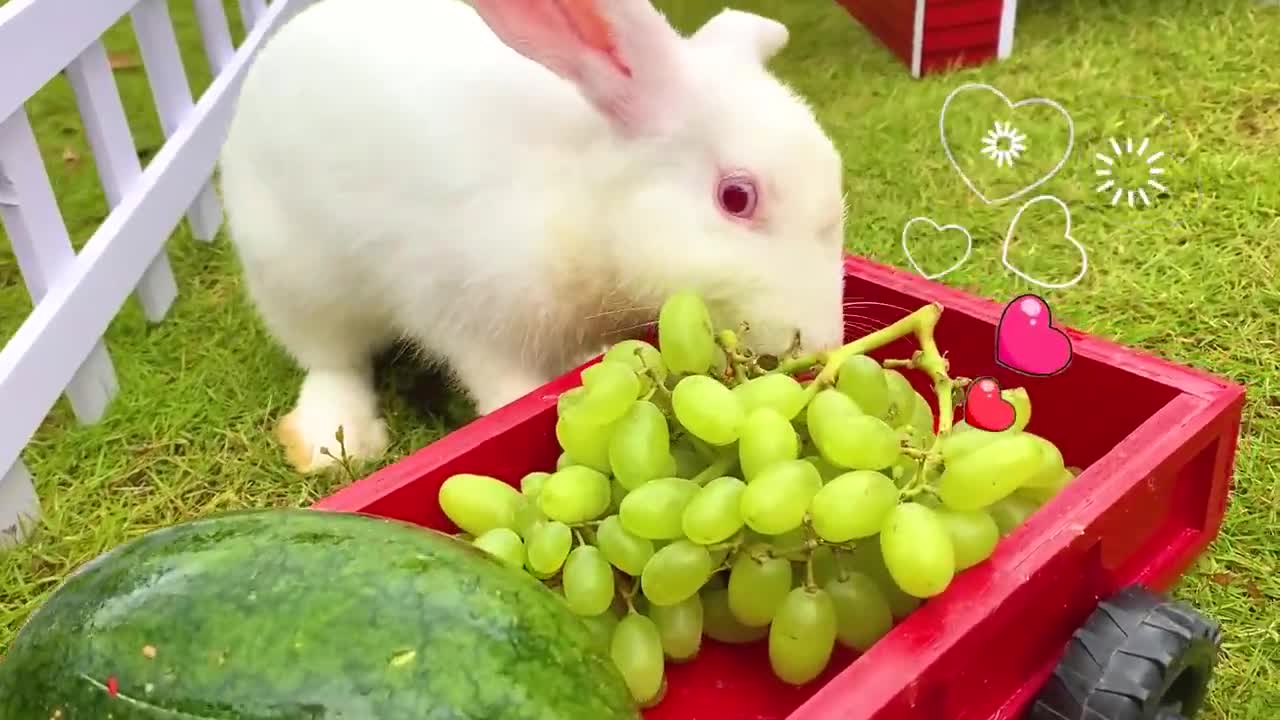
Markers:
point(1066, 233)
point(968, 250)
point(946, 147)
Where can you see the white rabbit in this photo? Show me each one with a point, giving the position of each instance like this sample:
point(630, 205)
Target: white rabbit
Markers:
point(513, 185)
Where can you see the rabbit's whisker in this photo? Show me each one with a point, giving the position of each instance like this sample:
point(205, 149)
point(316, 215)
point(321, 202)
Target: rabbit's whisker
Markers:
point(619, 311)
point(631, 328)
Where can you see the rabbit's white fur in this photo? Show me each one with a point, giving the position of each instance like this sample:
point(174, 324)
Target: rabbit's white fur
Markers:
point(396, 169)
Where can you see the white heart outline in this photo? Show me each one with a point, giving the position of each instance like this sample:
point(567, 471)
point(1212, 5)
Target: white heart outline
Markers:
point(946, 148)
point(1008, 237)
point(968, 250)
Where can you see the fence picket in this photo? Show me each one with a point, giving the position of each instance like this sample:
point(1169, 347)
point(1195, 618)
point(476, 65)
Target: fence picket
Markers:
point(43, 248)
point(215, 33)
point(116, 156)
point(251, 11)
point(19, 504)
point(172, 93)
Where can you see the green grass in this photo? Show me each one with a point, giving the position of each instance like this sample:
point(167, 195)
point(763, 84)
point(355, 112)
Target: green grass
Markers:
point(190, 432)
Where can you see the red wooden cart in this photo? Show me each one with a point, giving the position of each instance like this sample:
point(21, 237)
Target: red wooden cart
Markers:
point(1056, 620)
point(934, 35)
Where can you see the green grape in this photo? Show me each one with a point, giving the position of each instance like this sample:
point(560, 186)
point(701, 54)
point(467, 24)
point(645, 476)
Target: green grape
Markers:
point(587, 581)
point(636, 650)
point(575, 494)
point(686, 337)
point(802, 636)
point(602, 626)
point(777, 391)
point(958, 442)
point(676, 572)
point(1044, 494)
point(587, 444)
point(853, 506)
point(905, 470)
point(644, 359)
point(862, 379)
point(777, 499)
point(1021, 402)
point(707, 409)
point(791, 545)
point(527, 516)
point(655, 510)
point(564, 460)
point(868, 559)
point(862, 611)
point(547, 547)
point(921, 419)
point(1050, 472)
point(826, 565)
point(917, 550)
point(640, 449)
point(900, 399)
point(712, 515)
point(826, 470)
point(758, 583)
point(616, 492)
point(719, 623)
point(568, 400)
point(1011, 512)
point(981, 477)
point(610, 388)
point(767, 438)
point(689, 462)
point(504, 544)
point(623, 550)
point(531, 484)
point(680, 627)
point(973, 534)
point(478, 503)
point(847, 437)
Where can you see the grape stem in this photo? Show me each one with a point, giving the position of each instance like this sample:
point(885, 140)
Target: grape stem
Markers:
point(921, 323)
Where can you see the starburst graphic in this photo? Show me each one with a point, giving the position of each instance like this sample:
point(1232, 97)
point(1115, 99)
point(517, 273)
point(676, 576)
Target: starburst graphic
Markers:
point(1140, 190)
point(1016, 143)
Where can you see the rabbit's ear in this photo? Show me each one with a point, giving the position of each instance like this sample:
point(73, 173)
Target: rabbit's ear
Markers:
point(622, 54)
point(751, 36)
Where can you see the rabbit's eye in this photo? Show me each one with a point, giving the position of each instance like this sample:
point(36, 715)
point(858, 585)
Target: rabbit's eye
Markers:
point(737, 195)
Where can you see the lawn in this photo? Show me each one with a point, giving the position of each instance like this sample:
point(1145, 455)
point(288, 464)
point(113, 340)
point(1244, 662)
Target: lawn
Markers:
point(1193, 279)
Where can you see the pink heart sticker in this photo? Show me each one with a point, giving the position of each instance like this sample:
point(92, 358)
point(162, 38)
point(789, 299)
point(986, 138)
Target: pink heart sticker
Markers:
point(1026, 340)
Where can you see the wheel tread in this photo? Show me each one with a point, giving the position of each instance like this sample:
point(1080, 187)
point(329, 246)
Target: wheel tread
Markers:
point(1120, 663)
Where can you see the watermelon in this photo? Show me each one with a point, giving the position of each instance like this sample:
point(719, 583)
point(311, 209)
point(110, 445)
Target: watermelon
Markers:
point(288, 614)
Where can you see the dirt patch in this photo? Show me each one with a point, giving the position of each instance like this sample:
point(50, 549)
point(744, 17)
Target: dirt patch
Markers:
point(1259, 119)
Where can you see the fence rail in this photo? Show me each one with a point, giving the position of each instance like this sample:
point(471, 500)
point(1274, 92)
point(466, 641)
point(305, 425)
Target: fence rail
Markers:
point(59, 349)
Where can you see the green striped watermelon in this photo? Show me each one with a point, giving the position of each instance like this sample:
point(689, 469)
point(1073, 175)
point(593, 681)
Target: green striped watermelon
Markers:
point(291, 614)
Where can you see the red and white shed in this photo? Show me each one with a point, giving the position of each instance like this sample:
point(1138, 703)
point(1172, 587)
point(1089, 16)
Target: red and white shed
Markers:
point(933, 35)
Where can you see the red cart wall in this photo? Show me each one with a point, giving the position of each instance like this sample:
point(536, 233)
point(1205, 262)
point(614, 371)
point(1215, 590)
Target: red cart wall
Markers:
point(933, 35)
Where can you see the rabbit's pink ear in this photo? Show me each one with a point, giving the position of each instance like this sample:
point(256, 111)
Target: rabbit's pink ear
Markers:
point(622, 54)
point(746, 34)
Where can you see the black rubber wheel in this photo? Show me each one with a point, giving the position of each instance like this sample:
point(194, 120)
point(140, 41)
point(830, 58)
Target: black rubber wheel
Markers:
point(1139, 656)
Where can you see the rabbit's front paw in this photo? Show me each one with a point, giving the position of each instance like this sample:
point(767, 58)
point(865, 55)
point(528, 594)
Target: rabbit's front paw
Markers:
point(326, 403)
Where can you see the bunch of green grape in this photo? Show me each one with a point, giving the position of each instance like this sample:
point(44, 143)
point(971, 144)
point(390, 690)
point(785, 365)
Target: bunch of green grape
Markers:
point(706, 492)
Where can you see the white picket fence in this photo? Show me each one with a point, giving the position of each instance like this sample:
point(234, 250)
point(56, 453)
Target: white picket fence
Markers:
point(59, 348)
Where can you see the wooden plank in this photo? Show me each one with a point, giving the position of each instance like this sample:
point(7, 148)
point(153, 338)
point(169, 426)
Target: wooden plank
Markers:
point(38, 37)
point(116, 158)
point(159, 48)
point(62, 329)
point(19, 505)
point(46, 259)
